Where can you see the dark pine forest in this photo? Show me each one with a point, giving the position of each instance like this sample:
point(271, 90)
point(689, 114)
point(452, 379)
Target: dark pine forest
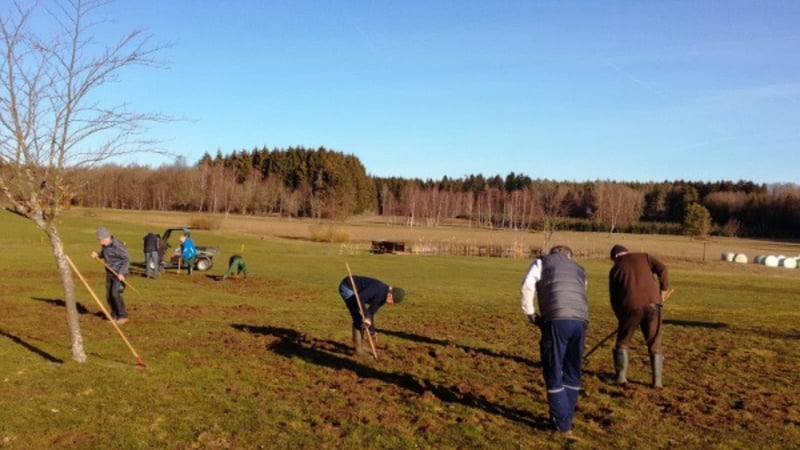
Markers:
point(326, 184)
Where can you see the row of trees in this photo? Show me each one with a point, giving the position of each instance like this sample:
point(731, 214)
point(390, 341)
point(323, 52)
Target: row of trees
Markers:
point(322, 183)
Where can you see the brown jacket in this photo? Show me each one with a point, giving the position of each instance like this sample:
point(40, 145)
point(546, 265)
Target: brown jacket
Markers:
point(630, 282)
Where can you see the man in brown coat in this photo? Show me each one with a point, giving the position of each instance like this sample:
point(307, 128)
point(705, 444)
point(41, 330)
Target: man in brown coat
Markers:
point(637, 302)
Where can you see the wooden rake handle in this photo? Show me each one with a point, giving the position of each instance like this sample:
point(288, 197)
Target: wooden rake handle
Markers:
point(105, 311)
point(115, 273)
point(361, 310)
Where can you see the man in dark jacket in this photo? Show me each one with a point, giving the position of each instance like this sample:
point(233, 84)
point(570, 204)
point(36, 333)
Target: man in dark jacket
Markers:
point(152, 250)
point(118, 262)
point(637, 301)
point(560, 285)
point(373, 294)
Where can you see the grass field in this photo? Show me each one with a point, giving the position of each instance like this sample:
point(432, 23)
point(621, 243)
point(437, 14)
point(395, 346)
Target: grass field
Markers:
point(266, 363)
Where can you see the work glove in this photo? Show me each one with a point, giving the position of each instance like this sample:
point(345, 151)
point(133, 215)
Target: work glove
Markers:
point(367, 322)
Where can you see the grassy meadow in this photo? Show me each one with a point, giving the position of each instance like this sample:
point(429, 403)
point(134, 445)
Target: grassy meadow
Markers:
point(266, 362)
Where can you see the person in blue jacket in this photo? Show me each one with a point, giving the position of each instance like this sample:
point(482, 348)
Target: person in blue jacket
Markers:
point(188, 252)
point(373, 294)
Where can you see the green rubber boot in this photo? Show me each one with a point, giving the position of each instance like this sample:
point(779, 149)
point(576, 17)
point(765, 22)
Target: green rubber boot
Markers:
point(358, 343)
point(621, 365)
point(657, 366)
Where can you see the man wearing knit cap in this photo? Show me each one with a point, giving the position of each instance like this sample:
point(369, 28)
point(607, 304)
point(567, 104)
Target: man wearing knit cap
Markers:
point(373, 294)
point(116, 258)
point(637, 300)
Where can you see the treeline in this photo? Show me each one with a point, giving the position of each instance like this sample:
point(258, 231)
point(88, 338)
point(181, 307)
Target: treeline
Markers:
point(321, 183)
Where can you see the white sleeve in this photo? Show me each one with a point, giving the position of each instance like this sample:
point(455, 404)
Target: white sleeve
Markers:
point(528, 290)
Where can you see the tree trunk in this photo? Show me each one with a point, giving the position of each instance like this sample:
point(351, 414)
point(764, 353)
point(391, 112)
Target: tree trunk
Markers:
point(78, 352)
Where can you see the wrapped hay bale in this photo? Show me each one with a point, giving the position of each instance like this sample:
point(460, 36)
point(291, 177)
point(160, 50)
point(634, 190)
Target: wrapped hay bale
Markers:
point(771, 261)
point(789, 263)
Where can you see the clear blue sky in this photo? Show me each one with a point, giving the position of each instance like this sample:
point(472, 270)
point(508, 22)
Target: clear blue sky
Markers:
point(566, 90)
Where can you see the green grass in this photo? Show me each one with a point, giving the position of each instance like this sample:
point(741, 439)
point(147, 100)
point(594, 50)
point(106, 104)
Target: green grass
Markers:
point(265, 363)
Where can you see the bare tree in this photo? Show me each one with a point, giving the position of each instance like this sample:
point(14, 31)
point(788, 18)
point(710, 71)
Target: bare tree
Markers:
point(550, 202)
point(51, 119)
point(618, 205)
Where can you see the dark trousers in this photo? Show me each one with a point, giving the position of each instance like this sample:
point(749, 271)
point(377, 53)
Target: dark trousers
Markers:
point(114, 289)
point(648, 320)
point(561, 348)
point(350, 301)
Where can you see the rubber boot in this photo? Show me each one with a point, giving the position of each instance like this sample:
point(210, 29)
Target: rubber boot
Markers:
point(657, 366)
point(620, 365)
point(358, 343)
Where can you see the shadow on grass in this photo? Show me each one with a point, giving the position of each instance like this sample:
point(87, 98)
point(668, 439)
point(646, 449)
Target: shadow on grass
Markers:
point(293, 344)
point(445, 343)
point(58, 302)
point(693, 323)
point(30, 347)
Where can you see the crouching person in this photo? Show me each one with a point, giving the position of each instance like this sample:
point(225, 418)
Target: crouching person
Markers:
point(237, 266)
point(373, 294)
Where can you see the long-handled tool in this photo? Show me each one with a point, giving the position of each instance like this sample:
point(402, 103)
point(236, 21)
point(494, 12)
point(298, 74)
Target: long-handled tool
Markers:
point(599, 344)
point(139, 362)
point(613, 333)
point(117, 275)
point(361, 310)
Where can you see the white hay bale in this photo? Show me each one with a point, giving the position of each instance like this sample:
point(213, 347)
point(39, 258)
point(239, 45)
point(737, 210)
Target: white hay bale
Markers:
point(789, 263)
point(740, 258)
point(727, 256)
point(771, 261)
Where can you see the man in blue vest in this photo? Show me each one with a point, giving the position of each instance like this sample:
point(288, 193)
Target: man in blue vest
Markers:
point(560, 286)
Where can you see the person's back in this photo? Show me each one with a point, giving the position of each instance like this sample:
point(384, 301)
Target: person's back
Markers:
point(636, 298)
point(151, 242)
point(630, 280)
point(562, 289)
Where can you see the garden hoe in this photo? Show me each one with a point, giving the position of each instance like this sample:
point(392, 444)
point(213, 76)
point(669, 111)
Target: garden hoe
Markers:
point(115, 273)
point(361, 310)
point(139, 362)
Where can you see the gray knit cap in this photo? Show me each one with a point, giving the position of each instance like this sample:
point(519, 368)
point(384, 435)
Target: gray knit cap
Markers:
point(102, 233)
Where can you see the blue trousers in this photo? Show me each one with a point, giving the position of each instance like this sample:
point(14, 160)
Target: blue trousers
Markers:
point(561, 348)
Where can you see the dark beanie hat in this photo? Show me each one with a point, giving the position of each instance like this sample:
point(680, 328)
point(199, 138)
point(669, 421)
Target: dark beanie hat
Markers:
point(616, 250)
point(398, 294)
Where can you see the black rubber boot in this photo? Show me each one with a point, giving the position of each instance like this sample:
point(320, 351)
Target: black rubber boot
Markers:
point(620, 365)
point(657, 367)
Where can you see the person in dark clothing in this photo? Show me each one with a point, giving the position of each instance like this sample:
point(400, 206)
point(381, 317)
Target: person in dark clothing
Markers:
point(560, 285)
point(115, 255)
point(236, 265)
point(152, 252)
point(373, 294)
point(637, 301)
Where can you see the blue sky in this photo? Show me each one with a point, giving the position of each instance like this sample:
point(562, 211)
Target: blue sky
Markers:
point(566, 90)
